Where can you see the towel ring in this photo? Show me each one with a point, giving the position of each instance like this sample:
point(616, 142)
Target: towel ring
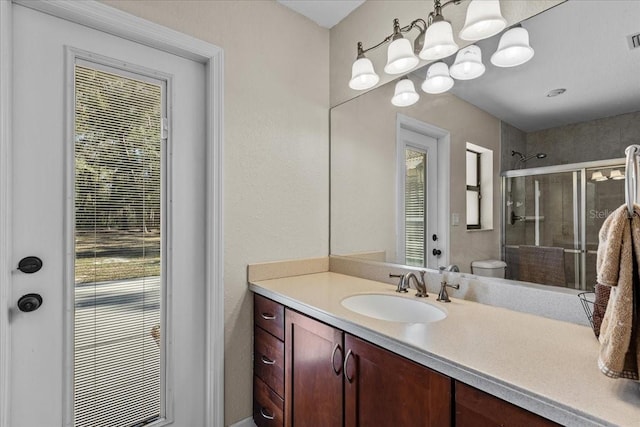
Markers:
point(631, 177)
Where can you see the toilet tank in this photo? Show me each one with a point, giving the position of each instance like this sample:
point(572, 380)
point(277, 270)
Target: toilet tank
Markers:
point(489, 268)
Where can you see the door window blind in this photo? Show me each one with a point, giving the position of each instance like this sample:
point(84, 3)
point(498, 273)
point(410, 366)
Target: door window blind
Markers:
point(118, 248)
point(414, 207)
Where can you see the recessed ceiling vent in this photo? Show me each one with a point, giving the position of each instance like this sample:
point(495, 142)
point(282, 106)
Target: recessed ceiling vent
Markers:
point(634, 41)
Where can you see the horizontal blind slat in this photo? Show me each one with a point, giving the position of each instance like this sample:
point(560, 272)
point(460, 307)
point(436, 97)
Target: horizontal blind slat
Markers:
point(117, 376)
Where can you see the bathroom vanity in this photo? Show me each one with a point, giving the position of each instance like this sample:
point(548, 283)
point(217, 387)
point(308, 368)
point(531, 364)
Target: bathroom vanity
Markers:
point(317, 360)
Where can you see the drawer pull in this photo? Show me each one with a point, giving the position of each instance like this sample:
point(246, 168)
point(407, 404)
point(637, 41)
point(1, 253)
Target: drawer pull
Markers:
point(266, 415)
point(333, 357)
point(346, 360)
point(267, 361)
point(268, 316)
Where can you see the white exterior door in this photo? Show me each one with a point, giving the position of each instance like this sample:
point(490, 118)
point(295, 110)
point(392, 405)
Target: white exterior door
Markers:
point(45, 52)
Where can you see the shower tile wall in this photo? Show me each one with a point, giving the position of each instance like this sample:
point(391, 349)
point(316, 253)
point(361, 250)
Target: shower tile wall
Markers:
point(599, 139)
point(512, 139)
point(582, 142)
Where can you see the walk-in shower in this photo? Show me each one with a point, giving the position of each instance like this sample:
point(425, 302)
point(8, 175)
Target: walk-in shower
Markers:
point(551, 219)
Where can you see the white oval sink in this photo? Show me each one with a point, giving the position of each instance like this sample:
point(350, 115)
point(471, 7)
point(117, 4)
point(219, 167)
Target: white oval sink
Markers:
point(394, 308)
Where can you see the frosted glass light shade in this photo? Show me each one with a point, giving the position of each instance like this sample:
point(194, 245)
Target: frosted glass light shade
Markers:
point(438, 41)
point(363, 76)
point(405, 94)
point(438, 79)
point(400, 57)
point(468, 64)
point(483, 20)
point(616, 174)
point(513, 49)
point(598, 176)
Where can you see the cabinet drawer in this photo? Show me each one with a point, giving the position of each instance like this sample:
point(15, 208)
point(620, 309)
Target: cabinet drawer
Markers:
point(268, 360)
point(269, 315)
point(268, 407)
point(479, 409)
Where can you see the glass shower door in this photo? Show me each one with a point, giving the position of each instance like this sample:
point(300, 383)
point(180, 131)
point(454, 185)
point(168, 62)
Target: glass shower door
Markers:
point(542, 241)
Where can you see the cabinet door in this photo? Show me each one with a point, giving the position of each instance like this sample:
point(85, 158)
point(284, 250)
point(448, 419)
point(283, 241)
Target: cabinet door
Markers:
point(475, 408)
point(313, 363)
point(384, 389)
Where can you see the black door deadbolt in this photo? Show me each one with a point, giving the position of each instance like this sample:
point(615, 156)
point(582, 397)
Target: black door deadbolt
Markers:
point(30, 264)
point(29, 302)
point(436, 252)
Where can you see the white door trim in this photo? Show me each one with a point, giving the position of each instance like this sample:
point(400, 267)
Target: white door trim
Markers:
point(113, 21)
point(444, 148)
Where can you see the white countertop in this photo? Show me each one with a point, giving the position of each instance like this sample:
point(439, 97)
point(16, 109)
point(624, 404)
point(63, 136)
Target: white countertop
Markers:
point(546, 366)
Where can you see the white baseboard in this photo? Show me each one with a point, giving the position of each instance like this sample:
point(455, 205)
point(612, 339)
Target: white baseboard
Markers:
point(247, 422)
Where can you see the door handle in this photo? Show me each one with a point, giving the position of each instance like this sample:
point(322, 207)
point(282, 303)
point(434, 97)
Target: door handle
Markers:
point(30, 264)
point(346, 360)
point(333, 361)
point(29, 302)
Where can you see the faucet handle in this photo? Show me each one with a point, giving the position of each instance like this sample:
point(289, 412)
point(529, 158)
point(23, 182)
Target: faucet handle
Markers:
point(443, 296)
point(402, 284)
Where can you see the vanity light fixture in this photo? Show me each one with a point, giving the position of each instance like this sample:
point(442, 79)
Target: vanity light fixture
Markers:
point(483, 20)
point(468, 64)
point(438, 37)
point(363, 76)
point(598, 176)
point(435, 41)
point(616, 174)
point(405, 93)
point(400, 56)
point(513, 48)
point(438, 79)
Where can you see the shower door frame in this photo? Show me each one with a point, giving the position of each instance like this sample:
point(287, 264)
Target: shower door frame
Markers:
point(580, 216)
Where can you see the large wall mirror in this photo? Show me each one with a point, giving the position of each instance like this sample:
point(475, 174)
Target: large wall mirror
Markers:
point(540, 143)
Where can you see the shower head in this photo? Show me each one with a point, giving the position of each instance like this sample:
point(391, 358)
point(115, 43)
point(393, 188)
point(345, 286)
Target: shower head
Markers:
point(524, 159)
point(537, 156)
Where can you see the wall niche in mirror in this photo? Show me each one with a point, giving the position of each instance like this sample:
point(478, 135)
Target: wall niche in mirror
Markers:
point(551, 124)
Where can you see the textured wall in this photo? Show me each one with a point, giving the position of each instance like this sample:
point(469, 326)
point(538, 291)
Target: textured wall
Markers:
point(604, 138)
point(599, 139)
point(276, 151)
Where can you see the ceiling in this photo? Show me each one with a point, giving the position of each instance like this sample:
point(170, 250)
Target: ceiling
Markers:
point(325, 13)
point(580, 46)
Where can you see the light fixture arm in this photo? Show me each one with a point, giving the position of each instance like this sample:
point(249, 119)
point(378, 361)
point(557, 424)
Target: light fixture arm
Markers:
point(419, 23)
point(436, 15)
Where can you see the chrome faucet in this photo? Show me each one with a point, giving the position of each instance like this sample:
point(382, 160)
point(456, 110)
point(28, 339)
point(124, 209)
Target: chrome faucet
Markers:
point(421, 286)
point(443, 296)
point(402, 283)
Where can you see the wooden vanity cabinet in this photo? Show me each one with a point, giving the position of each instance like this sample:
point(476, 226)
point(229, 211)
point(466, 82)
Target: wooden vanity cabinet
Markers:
point(314, 390)
point(475, 408)
point(307, 373)
point(380, 388)
point(268, 363)
point(384, 389)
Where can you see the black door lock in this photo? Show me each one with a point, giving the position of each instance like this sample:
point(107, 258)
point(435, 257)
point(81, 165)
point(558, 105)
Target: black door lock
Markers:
point(29, 302)
point(436, 252)
point(30, 264)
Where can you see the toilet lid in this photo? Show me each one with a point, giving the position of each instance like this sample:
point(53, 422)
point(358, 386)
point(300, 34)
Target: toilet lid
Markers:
point(489, 263)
